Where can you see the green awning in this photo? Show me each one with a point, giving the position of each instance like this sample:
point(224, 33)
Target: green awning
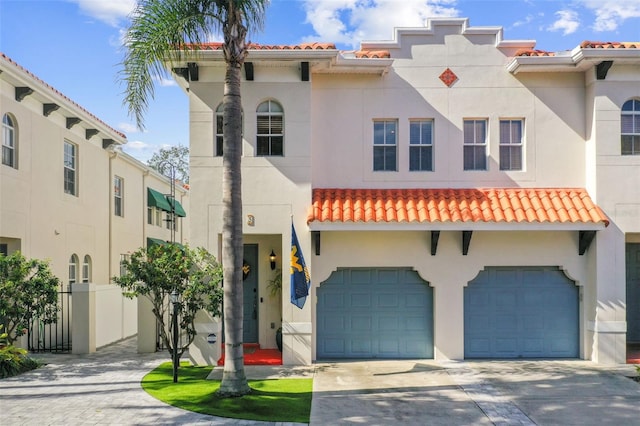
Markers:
point(156, 199)
point(158, 242)
point(179, 210)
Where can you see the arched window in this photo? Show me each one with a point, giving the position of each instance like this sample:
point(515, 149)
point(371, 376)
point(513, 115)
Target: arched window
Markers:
point(219, 136)
point(9, 143)
point(630, 127)
point(270, 132)
point(86, 269)
point(217, 149)
point(73, 270)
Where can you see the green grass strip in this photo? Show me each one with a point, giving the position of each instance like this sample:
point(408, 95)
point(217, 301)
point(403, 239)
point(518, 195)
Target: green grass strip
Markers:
point(276, 400)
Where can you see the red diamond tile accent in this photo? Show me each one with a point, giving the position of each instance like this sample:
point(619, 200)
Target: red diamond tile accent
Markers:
point(448, 77)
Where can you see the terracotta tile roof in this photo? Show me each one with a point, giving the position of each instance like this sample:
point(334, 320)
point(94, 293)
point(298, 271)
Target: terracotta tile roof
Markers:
point(532, 52)
point(58, 93)
point(610, 45)
point(584, 45)
point(256, 46)
point(496, 205)
point(359, 54)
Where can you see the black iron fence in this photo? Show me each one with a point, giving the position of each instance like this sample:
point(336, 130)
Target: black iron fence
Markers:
point(54, 337)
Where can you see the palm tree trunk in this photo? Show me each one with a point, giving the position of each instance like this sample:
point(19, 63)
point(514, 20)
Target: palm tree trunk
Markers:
point(234, 381)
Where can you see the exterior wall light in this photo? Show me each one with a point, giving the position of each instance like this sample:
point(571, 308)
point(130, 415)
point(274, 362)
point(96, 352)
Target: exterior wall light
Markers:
point(272, 260)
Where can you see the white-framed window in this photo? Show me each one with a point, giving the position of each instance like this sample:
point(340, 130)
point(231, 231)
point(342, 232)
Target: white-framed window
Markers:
point(270, 131)
point(155, 216)
point(475, 144)
point(168, 220)
point(86, 269)
point(385, 145)
point(511, 144)
point(123, 259)
point(217, 149)
point(630, 127)
point(421, 145)
point(73, 270)
point(118, 196)
point(70, 168)
point(9, 143)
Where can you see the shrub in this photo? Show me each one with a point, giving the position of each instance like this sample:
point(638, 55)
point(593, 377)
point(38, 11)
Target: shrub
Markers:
point(14, 360)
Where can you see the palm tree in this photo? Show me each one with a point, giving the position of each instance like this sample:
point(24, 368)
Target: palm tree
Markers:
point(165, 32)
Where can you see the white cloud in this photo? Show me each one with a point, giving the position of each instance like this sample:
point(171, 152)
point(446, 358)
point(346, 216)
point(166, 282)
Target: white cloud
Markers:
point(128, 128)
point(567, 22)
point(352, 21)
point(610, 14)
point(165, 82)
point(108, 11)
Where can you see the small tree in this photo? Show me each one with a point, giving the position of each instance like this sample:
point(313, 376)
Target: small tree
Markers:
point(156, 271)
point(176, 155)
point(28, 291)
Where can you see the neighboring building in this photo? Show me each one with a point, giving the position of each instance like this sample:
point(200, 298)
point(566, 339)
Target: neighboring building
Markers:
point(70, 195)
point(443, 186)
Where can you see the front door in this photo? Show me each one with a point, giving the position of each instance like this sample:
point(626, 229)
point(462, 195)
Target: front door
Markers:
point(633, 292)
point(250, 294)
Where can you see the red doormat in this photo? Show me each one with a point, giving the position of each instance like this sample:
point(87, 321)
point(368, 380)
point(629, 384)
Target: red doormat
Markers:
point(254, 355)
point(633, 353)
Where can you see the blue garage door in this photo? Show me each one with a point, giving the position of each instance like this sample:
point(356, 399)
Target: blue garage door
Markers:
point(521, 313)
point(374, 313)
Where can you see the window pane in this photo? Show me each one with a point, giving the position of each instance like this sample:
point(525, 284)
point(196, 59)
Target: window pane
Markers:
point(628, 106)
point(480, 129)
point(505, 132)
point(263, 145)
point(378, 158)
point(636, 123)
point(414, 133)
point(219, 142)
point(219, 125)
point(469, 132)
point(276, 145)
point(378, 133)
point(390, 158)
point(516, 131)
point(480, 158)
point(427, 130)
point(263, 107)
point(626, 122)
point(390, 133)
point(420, 158)
point(276, 125)
point(468, 158)
point(263, 124)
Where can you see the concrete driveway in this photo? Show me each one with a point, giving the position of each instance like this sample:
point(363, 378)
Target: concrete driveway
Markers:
point(427, 392)
point(104, 388)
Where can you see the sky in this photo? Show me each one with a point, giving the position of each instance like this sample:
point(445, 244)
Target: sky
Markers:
point(76, 47)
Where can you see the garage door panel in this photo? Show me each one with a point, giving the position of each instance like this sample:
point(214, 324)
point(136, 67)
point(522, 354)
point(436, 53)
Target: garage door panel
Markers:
point(521, 312)
point(388, 323)
point(360, 324)
point(388, 300)
point(335, 322)
point(333, 346)
point(388, 313)
point(358, 277)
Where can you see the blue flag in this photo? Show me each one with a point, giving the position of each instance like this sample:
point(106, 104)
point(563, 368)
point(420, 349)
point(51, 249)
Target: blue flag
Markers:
point(300, 280)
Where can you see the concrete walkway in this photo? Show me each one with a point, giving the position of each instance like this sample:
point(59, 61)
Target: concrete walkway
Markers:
point(104, 388)
point(98, 389)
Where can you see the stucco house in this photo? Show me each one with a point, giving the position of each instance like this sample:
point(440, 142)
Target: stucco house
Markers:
point(455, 194)
point(69, 194)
